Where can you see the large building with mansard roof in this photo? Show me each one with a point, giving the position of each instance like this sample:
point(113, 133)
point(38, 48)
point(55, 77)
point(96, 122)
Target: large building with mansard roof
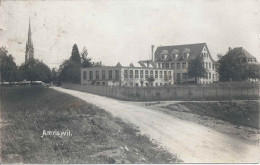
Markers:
point(177, 57)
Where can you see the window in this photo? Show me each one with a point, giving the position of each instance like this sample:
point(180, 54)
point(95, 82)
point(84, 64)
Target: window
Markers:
point(167, 65)
point(173, 65)
point(151, 73)
point(141, 74)
point(184, 65)
point(125, 73)
point(173, 56)
point(185, 76)
point(117, 74)
point(84, 75)
point(136, 73)
point(146, 73)
point(159, 65)
point(91, 75)
point(206, 64)
point(209, 75)
point(209, 65)
point(170, 73)
point(103, 74)
point(97, 75)
point(213, 66)
point(161, 76)
point(213, 76)
point(162, 65)
point(156, 74)
point(165, 74)
point(110, 74)
point(186, 55)
point(131, 74)
point(178, 65)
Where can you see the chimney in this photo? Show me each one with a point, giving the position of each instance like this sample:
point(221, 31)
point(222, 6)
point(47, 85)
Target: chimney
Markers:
point(100, 63)
point(229, 48)
point(152, 53)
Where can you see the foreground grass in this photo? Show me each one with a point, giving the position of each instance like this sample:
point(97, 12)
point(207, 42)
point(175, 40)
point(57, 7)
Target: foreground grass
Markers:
point(244, 113)
point(97, 137)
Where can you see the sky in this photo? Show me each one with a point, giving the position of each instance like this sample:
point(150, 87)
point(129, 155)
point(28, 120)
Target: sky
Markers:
point(123, 31)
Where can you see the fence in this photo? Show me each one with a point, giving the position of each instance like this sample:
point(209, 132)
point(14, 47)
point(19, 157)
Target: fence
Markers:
point(222, 91)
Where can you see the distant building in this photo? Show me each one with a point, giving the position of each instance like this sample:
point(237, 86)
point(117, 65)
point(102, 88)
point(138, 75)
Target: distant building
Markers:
point(242, 55)
point(177, 57)
point(126, 76)
point(29, 51)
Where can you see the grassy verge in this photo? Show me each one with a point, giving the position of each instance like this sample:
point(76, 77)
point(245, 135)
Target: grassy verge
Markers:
point(97, 137)
point(240, 112)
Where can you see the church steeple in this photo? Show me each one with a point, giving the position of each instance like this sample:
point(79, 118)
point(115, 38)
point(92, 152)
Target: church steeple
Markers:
point(29, 53)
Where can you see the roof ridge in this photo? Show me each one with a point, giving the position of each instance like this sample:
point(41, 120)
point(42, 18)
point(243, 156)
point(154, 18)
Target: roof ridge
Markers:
point(183, 44)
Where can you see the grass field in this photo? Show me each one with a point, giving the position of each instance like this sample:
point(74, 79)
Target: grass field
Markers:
point(97, 137)
point(244, 113)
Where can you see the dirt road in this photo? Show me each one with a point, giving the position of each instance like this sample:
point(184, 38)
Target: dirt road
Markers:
point(193, 143)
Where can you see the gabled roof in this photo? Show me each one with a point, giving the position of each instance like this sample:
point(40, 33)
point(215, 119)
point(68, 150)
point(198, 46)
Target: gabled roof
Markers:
point(195, 50)
point(240, 52)
point(118, 64)
point(132, 65)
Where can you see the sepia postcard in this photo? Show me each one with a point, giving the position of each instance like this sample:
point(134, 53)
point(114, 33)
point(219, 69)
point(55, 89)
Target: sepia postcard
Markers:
point(129, 82)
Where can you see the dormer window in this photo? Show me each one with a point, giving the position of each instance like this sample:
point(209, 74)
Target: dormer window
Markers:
point(186, 53)
point(174, 54)
point(164, 54)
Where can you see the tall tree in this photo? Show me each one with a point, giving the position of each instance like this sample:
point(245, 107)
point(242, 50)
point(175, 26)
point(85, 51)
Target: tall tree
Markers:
point(85, 60)
point(70, 71)
point(231, 69)
point(75, 56)
point(8, 68)
point(196, 69)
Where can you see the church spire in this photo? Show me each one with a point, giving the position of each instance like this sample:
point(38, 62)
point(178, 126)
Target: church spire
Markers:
point(29, 53)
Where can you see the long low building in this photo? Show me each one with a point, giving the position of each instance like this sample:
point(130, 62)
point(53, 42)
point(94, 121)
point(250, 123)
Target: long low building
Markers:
point(127, 76)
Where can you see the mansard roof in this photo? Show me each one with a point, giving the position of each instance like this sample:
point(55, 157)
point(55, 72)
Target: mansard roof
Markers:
point(193, 49)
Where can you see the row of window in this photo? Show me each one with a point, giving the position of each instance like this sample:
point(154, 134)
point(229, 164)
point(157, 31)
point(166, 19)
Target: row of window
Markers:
point(130, 74)
point(174, 56)
point(146, 74)
point(177, 65)
point(205, 55)
point(209, 75)
point(103, 75)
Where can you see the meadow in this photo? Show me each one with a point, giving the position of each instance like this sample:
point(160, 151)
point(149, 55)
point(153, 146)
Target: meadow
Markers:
point(96, 136)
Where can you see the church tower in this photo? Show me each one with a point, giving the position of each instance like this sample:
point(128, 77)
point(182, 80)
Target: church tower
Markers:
point(29, 53)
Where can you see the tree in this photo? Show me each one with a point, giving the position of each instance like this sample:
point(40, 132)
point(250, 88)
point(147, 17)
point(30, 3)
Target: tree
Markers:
point(150, 80)
point(70, 71)
point(8, 67)
point(75, 56)
point(85, 61)
point(196, 69)
point(252, 71)
point(35, 70)
point(55, 76)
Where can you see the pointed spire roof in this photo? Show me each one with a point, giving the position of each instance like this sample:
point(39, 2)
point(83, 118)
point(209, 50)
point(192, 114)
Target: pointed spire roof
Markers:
point(29, 41)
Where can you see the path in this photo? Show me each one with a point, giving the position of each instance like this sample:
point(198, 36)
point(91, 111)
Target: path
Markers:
point(191, 142)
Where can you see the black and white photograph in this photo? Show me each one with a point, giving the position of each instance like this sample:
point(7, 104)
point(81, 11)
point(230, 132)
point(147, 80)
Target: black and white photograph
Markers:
point(129, 81)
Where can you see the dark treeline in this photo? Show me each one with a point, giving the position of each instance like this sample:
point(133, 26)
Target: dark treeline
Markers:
point(35, 70)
